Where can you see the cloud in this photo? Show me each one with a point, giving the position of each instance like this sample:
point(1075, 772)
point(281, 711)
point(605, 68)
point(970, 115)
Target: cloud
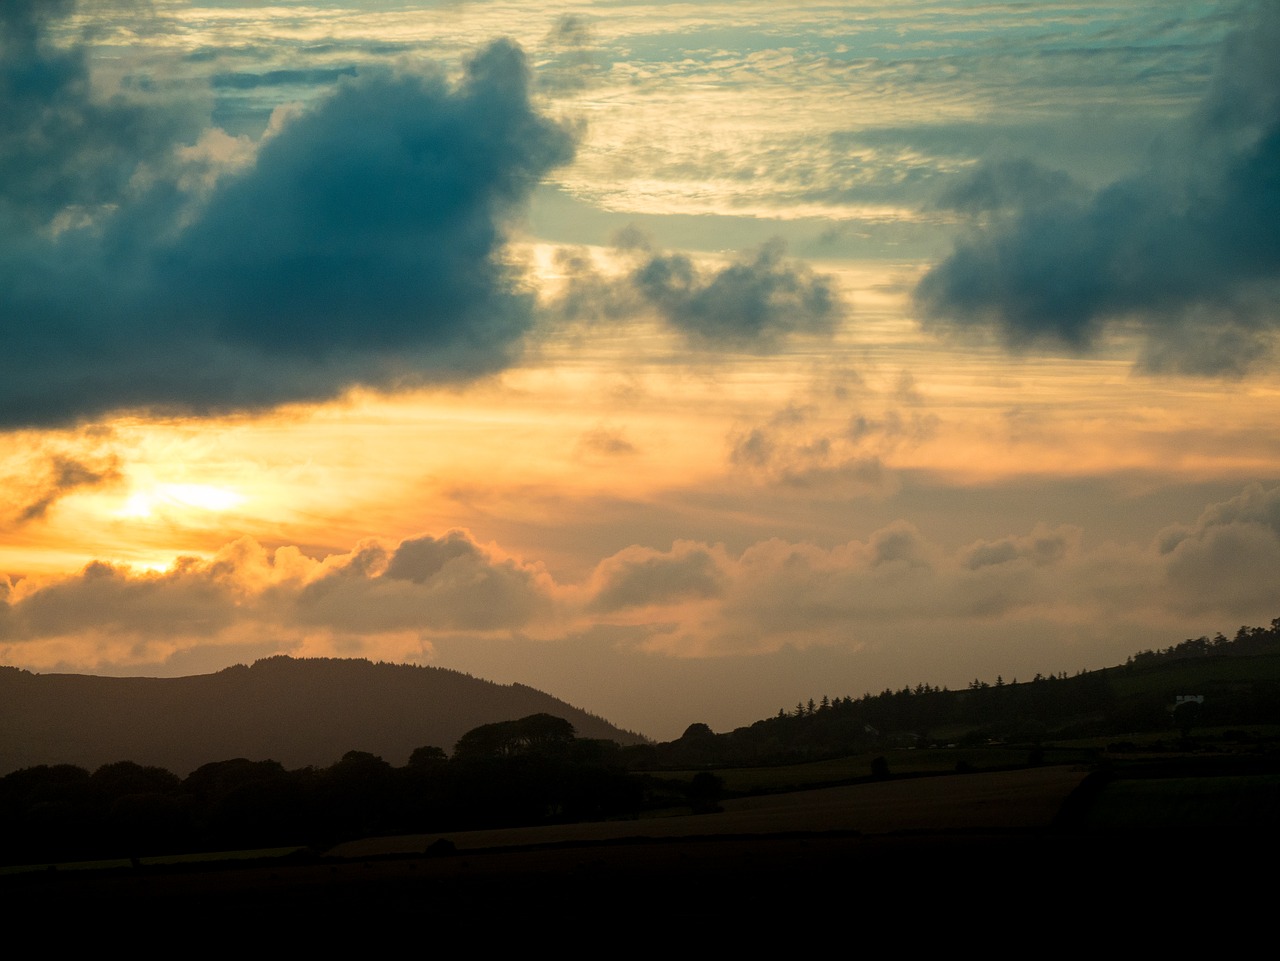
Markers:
point(699, 600)
point(365, 244)
point(425, 584)
point(67, 475)
point(642, 577)
point(277, 78)
point(817, 445)
point(61, 147)
point(1009, 185)
point(754, 304)
point(1044, 546)
point(570, 58)
point(896, 590)
point(1229, 556)
point(422, 585)
point(41, 471)
point(1188, 248)
point(608, 441)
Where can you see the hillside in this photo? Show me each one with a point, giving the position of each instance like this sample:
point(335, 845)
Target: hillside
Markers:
point(1235, 681)
point(298, 712)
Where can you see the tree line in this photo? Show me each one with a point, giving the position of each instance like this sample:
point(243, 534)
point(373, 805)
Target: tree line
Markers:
point(533, 770)
point(1090, 703)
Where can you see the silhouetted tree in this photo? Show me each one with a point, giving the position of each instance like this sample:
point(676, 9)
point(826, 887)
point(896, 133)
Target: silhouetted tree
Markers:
point(704, 792)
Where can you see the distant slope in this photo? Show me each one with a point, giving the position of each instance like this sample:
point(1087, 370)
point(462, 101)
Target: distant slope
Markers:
point(298, 712)
point(1237, 679)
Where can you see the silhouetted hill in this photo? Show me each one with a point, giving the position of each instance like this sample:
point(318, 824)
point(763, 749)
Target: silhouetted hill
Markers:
point(298, 712)
point(1235, 681)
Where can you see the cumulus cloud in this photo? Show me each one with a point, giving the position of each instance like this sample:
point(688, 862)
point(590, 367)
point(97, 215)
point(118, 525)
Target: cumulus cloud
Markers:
point(421, 586)
point(425, 584)
point(1230, 555)
point(1043, 546)
point(365, 243)
point(1186, 249)
point(642, 577)
point(754, 304)
point(896, 585)
point(700, 600)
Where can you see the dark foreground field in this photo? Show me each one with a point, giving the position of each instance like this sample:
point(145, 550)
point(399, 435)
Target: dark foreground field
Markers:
point(1012, 844)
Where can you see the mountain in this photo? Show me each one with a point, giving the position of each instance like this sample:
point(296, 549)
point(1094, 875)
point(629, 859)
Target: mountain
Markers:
point(299, 712)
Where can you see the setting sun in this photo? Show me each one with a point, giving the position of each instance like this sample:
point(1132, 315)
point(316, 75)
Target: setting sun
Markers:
point(201, 497)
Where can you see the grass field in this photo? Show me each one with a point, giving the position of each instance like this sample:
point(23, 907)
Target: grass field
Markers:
point(1185, 803)
point(1195, 675)
point(925, 761)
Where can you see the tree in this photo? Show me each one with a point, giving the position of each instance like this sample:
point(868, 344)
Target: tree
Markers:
point(536, 734)
point(1185, 716)
point(427, 757)
point(704, 792)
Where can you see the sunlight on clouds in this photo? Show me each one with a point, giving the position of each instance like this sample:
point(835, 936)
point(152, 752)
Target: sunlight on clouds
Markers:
point(199, 496)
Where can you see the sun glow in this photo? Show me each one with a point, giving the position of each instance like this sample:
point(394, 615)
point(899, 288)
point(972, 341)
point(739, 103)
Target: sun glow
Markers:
point(204, 497)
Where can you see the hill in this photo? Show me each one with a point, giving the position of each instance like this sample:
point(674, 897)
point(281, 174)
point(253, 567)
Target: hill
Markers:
point(1232, 681)
point(299, 712)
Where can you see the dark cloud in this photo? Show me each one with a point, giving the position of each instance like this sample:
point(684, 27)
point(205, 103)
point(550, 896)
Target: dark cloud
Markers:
point(61, 147)
point(1009, 185)
point(364, 246)
point(754, 304)
point(1188, 248)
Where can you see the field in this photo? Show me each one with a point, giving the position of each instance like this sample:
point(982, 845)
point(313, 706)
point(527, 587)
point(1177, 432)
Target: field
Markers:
point(950, 846)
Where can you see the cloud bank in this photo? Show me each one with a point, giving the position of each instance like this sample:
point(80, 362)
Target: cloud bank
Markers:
point(694, 599)
point(365, 243)
point(1187, 250)
point(343, 603)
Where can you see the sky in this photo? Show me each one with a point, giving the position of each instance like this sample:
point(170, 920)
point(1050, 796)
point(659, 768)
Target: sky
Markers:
point(684, 361)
